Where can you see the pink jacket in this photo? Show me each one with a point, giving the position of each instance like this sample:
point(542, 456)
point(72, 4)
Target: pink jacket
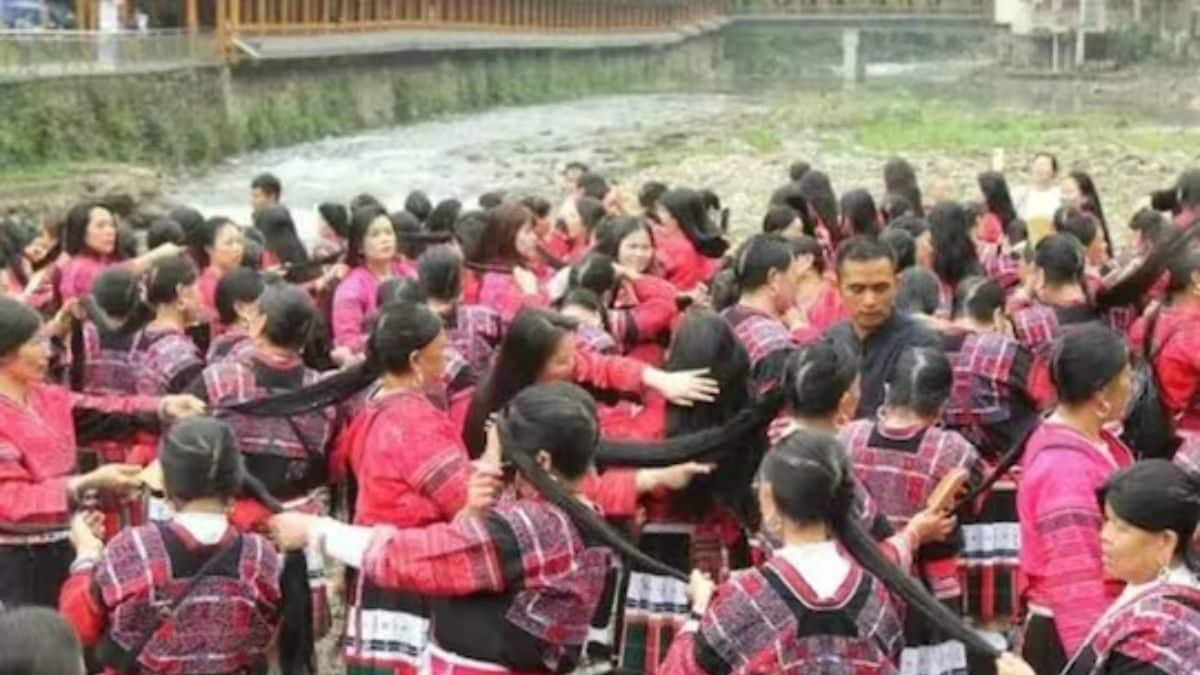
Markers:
point(353, 302)
point(1060, 520)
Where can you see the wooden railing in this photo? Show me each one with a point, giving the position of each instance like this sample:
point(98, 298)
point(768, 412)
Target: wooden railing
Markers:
point(982, 8)
point(291, 17)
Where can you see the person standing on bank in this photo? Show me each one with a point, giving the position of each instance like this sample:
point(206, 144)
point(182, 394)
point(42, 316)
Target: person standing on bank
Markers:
point(867, 282)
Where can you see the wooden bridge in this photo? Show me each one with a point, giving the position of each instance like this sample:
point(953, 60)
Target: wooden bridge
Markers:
point(204, 32)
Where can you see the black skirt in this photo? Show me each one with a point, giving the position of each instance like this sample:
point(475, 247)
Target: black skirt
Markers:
point(1040, 646)
point(33, 574)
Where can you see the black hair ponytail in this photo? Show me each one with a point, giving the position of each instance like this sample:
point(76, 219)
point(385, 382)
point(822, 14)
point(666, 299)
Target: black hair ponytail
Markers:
point(812, 480)
point(401, 329)
point(574, 402)
point(1134, 286)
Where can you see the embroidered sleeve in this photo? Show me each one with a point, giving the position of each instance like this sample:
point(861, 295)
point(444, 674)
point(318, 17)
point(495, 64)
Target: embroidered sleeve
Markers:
point(1068, 521)
point(23, 499)
point(445, 559)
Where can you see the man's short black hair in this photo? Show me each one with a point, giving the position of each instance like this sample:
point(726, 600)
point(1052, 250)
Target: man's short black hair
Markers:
point(268, 184)
point(864, 249)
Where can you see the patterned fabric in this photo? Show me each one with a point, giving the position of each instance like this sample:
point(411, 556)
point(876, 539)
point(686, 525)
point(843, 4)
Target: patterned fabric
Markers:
point(1060, 524)
point(1036, 327)
point(233, 344)
point(475, 331)
point(1159, 628)
point(733, 637)
point(656, 606)
point(991, 395)
point(171, 362)
point(1002, 268)
point(412, 471)
point(900, 468)
point(595, 339)
point(287, 454)
point(1177, 366)
point(760, 334)
point(232, 612)
point(527, 550)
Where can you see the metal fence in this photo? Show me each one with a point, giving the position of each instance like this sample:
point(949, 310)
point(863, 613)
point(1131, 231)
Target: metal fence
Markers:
point(59, 53)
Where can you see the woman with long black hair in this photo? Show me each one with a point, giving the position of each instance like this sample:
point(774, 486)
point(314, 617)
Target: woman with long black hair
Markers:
point(411, 468)
point(900, 178)
point(993, 189)
point(89, 238)
point(520, 579)
point(540, 347)
point(1079, 191)
point(236, 302)
point(954, 255)
point(824, 601)
point(689, 245)
point(995, 402)
point(1151, 510)
point(283, 246)
point(639, 308)
point(1066, 460)
point(506, 259)
point(221, 247)
point(372, 260)
point(290, 456)
point(765, 275)
point(860, 216)
point(699, 527)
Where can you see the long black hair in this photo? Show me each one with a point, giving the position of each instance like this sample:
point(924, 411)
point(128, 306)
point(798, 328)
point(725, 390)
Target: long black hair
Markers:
point(12, 251)
point(817, 377)
point(1091, 204)
point(818, 193)
point(531, 340)
point(18, 324)
point(704, 339)
point(686, 206)
point(440, 270)
point(954, 256)
point(400, 330)
point(811, 481)
point(612, 231)
point(240, 285)
point(920, 381)
point(200, 459)
point(74, 230)
point(279, 231)
point(899, 178)
point(559, 418)
point(997, 197)
point(862, 217)
point(978, 297)
point(1157, 495)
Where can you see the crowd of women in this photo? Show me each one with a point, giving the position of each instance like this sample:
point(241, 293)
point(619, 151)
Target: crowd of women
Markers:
point(591, 437)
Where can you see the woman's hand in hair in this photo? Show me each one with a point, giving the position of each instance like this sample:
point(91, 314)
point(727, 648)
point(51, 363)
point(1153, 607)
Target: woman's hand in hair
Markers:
point(672, 478)
point(929, 526)
point(684, 387)
point(483, 489)
point(119, 478)
point(180, 406)
point(1009, 664)
point(60, 325)
point(291, 530)
point(527, 281)
point(493, 451)
point(701, 588)
point(86, 527)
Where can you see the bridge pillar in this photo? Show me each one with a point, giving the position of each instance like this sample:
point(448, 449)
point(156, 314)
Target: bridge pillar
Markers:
point(854, 68)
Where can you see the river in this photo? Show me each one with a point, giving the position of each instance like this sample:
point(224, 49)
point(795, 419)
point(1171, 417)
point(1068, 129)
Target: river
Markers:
point(523, 149)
